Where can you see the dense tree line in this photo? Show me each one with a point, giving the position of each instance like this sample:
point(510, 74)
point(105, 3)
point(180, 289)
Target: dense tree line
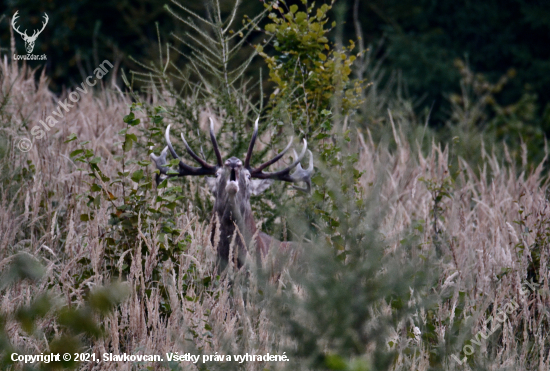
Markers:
point(423, 39)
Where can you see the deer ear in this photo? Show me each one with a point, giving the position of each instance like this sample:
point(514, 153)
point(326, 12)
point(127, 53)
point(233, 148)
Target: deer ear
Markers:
point(257, 186)
point(212, 184)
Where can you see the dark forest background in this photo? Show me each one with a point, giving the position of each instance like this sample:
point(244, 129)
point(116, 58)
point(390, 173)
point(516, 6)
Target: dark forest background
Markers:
point(419, 40)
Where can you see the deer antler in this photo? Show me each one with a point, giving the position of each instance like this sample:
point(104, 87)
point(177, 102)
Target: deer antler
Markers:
point(184, 169)
point(24, 34)
point(300, 175)
point(16, 29)
point(35, 34)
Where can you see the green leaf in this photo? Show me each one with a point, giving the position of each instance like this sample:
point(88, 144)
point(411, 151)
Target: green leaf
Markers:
point(127, 145)
point(317, 196)
point(75, 152)
point(129, 118)
point(105, 299)
point(300, 17)
point(174, 162)
point(322, 136)
point(271, 28)
point(137, 175)
point(318, 179)
point(97, 200)
point(27, 316)
point(132, 137)
point(71, 137)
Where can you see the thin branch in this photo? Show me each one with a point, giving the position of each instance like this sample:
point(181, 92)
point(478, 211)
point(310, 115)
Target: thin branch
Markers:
point(195, 27)
point(219, 13)
point(241, 69)
point(190, 12)
point(142, 65)
point(195, 49)
point(232, 18)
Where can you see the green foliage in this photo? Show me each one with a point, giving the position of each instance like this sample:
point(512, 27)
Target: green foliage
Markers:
point(422, 40)
point(75, 326)
point(306, 69)
point(351, 284)
point(336, 198)
point(351, 290)
point(477, 116)
point(314, 91)
point(336, 217)
point(22, 267)
point(425, 37)
point(214, 76)
point(142, 211)
point(214, 84)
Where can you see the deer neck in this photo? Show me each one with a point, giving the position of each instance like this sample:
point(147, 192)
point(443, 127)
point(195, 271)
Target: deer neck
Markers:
point(232, 214)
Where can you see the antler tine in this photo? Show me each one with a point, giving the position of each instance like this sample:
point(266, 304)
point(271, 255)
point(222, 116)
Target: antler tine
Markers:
point(215, 143)
point(44, 24)
point(168, 143)
point(251, 145)
point(281, 174)
point(194, 155)
point(276, 158)
point(301, 175)
point(184, 169)
point(15, 16)
point(160, 161)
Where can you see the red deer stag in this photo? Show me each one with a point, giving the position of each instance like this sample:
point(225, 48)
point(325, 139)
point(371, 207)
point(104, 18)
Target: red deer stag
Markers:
point(232, 186)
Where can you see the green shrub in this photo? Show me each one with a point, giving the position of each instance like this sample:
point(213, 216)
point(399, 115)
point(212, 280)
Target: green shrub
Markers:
point(307, 70)
point(477, 117)
point(143, 210)
point(76, 327)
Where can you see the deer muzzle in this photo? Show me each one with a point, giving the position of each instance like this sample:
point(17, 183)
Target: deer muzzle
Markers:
point(232, 186)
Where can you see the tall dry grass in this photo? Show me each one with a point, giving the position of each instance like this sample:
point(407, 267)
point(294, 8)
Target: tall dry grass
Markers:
point(489, 229)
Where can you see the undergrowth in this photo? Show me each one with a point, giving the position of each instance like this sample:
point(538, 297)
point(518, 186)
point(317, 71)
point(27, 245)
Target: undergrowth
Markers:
point(408, 250)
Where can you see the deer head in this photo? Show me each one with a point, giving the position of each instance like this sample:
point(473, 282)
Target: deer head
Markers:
point(232, 183)
point(29, 40)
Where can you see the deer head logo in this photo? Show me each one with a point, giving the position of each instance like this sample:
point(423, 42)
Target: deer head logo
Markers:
point(29, 40)
point(232, 183)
